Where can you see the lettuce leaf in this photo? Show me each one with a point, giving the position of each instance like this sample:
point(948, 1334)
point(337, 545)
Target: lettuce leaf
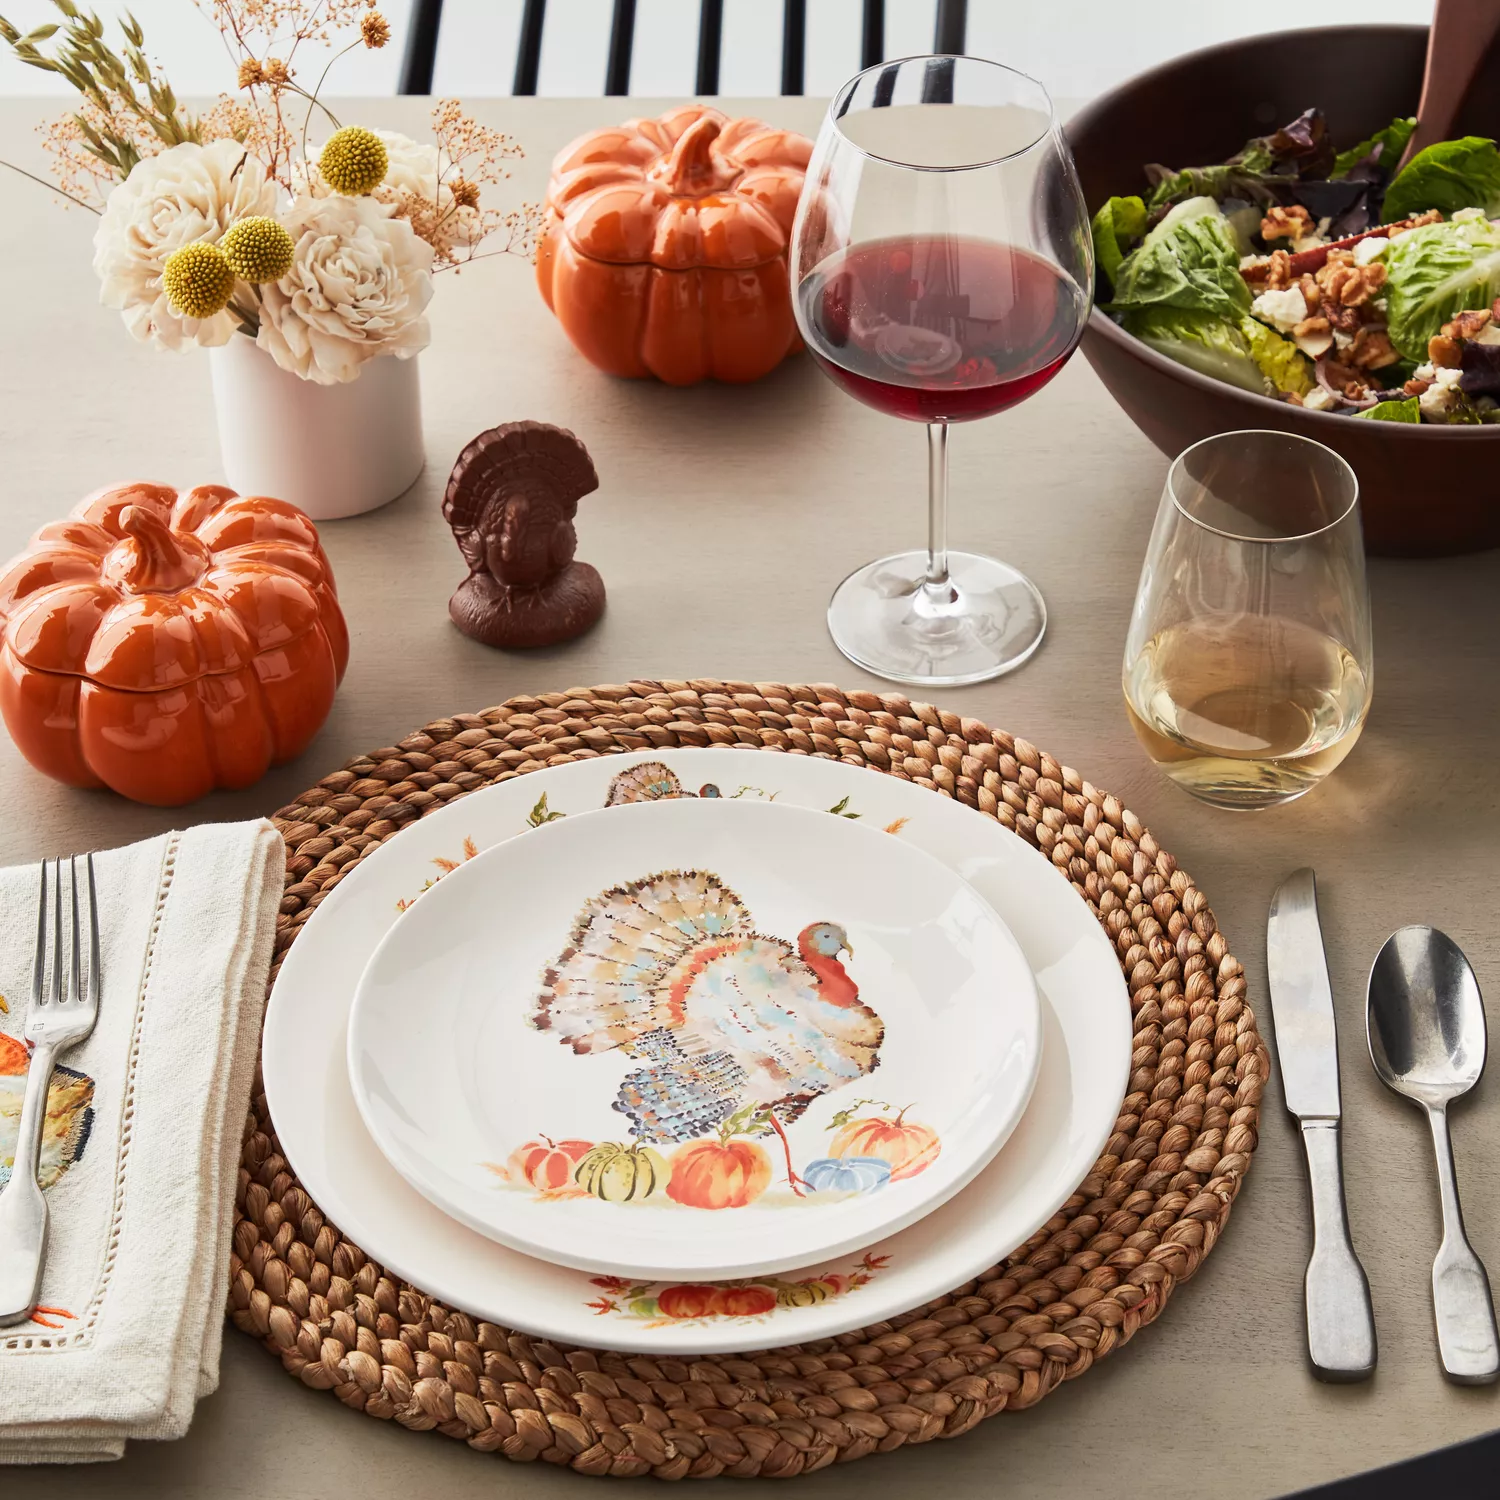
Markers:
point(1211, 345)
point(1448, 176)
point(1265, 170)
point(1391, 141)
point(1189, 261)
point(1436, 272)
point(1117, 225)
point(1393, 411)
point(1277, 358)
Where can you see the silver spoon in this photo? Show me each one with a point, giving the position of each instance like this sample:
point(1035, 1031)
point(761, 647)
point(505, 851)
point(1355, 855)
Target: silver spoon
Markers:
point(1425, 1024)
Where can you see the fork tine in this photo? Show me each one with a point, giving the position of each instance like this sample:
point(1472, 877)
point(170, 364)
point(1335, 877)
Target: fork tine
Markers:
point(57, 932)
point(93, 935)
point(77, 994)
point(39, 963)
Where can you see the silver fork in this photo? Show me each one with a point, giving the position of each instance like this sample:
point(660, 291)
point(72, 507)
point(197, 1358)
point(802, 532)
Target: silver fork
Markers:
point(61, 1016)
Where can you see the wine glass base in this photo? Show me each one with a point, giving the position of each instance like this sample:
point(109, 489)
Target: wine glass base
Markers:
point(987, 622)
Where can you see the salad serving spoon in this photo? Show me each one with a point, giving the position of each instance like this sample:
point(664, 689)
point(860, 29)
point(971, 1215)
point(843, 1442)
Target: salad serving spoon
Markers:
point(1459, 38)
point(1425, 1025)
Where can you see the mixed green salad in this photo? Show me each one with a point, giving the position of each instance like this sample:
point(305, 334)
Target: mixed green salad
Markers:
point(1326, 278)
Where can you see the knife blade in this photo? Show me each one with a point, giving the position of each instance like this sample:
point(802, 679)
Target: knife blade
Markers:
point(1340, 1318)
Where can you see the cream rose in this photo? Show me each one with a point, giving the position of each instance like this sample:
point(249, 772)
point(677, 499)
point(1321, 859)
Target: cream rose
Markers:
point(357, 288)
point(186, 194)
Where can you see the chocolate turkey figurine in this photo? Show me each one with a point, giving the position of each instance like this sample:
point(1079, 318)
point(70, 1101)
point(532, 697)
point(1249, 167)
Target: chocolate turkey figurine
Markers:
point(511, 499)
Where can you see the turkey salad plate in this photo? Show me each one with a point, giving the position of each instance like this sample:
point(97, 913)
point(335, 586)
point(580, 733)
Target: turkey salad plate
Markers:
point(695, 1037)
point(1084, 1069)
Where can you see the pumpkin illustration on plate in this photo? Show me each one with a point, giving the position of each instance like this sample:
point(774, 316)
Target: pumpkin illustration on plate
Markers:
point(847, 1174)
point(165, 646)
point(665, 247)
point(809, 1293)
point(621, 1174)
point(890, 1137)
point(690, 1300)
point(545, 1164)
point(725, 1173)
point(744, 1301)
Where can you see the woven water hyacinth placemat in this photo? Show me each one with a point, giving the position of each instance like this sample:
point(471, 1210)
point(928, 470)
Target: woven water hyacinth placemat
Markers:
point(1141, 1221)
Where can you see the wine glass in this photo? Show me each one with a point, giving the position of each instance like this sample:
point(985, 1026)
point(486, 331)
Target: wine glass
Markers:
point(943, 266)
point(1249, 663)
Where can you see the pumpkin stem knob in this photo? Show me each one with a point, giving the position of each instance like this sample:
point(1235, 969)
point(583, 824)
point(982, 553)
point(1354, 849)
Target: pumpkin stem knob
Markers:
point(690, 169)
point(156, 562)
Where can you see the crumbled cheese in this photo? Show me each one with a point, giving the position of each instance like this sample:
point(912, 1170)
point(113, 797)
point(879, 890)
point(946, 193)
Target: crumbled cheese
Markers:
point(1247, 261)
point(1489, 334)
point(1324, 225)
point(1371, 249)
point(1342, 339)
point(1423, 372)
point(1307, 242)
point(1467, 215)
point(1442, 395)
point(1318, 399)
point(1382, 305)
point(1283, 309)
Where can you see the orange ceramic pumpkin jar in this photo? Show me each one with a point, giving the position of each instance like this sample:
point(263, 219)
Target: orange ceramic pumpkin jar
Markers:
point(165, 647)
point(665, 247)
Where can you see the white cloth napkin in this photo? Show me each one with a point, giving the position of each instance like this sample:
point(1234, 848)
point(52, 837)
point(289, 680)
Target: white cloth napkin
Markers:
point(142, 1206)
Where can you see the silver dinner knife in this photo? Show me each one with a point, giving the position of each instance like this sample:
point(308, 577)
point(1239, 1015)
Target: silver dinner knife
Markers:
point(1340, 1319)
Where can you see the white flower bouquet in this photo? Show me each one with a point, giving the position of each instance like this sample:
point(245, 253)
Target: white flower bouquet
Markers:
point(229, 223)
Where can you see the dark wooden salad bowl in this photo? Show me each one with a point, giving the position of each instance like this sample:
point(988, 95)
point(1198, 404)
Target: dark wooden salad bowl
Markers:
point(1426, 491)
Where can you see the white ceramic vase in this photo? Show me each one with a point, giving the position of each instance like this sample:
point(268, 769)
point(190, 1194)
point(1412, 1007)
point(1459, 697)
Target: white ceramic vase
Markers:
point(332, 450)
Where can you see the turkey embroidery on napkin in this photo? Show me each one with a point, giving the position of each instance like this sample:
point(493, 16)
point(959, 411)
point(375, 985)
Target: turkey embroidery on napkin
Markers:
point(65, 1132)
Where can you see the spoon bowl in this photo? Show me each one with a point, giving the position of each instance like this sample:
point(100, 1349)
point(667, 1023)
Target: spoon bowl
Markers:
point(1426, 1017)
point(1425, 1025)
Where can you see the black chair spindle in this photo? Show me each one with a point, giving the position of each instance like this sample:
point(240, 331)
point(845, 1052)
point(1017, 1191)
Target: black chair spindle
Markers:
point(952, 27)
point(793, 45)
point(529, 53)
point(872, 34)
point(421, 47)
point(621, 41)
point(710, 41)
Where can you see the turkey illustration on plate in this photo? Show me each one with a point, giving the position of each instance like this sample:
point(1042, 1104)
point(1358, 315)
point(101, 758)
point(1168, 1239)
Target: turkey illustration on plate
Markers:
point(736, 1033)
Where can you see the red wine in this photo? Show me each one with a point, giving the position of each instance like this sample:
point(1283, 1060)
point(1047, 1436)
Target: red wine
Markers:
point(940, 328)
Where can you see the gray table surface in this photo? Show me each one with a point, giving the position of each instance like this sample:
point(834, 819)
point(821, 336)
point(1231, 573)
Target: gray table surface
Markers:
point(724, 518)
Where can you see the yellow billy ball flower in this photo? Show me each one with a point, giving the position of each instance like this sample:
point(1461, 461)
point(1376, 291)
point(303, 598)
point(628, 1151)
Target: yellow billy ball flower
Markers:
point(353, 161)
point(197, 280)
point(258, 249)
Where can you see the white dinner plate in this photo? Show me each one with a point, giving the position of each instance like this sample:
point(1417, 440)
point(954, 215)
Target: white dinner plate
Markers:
point(695, 1037)
point(1085, 1065)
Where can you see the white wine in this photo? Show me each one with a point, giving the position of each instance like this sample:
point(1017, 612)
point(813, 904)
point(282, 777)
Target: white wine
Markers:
point(1246, 711)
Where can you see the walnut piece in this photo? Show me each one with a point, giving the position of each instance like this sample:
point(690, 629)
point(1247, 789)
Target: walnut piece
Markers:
point(1309, 326)
point(1279, 272)
point(1340, 281)
point(1468, 325)
point(1286, 223)
point(1345, 378)
point(1443, 351)
point(1371, 350)
point(1415, 387)
point(1310, 293)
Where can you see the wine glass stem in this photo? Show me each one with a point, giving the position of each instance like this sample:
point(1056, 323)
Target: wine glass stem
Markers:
point(937, 586)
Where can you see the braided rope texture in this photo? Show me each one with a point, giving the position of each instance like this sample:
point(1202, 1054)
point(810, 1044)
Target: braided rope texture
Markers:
point(1100, 1270)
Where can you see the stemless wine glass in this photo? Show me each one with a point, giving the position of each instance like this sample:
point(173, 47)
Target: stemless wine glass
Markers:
point(942, 264)
point(1249, 665)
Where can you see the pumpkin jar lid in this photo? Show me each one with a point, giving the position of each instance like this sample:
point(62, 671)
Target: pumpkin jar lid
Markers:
point(691, 189)
point(125, 594)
